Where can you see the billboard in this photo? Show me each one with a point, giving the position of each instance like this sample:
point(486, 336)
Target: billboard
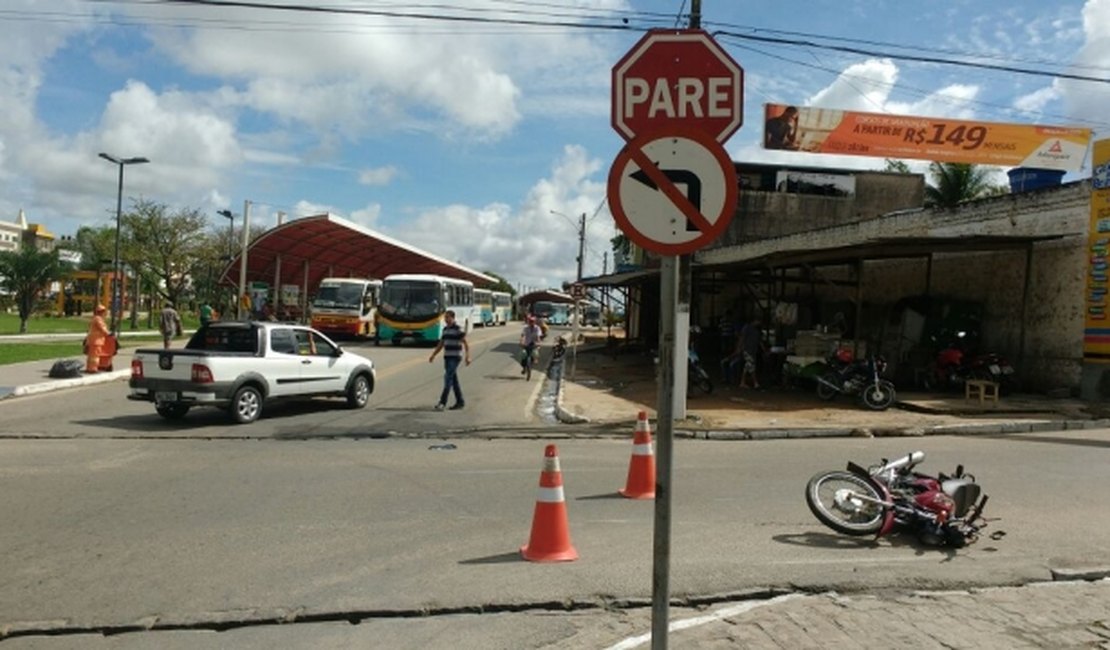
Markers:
point(1096, 326)
point(831, 131)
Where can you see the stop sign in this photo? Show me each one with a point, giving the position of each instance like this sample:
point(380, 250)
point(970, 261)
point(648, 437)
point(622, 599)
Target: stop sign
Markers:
point(677, 77)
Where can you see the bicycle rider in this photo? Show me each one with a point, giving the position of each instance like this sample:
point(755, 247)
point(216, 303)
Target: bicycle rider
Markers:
point(529, 339)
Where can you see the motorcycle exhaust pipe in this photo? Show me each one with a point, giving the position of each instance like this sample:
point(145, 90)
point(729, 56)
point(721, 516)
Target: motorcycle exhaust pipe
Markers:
point(828, 383)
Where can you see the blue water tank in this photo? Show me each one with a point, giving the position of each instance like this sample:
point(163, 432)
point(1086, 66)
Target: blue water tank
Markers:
point(1024, 179)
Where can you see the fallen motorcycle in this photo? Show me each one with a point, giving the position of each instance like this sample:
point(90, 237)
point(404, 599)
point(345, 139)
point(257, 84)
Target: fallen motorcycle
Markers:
point(942, 510)
point(861, 377)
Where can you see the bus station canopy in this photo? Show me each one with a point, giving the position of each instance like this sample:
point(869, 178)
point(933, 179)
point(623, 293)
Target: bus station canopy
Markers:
point(303, 251)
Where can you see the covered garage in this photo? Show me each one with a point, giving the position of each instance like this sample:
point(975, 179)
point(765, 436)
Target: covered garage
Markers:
point(303, 251)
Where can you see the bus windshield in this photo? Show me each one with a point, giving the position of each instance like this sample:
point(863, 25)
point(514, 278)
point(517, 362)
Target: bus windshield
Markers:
point(410, 300)
point(346, 295)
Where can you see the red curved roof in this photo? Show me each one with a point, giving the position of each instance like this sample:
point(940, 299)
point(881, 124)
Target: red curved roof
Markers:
point(334, 247)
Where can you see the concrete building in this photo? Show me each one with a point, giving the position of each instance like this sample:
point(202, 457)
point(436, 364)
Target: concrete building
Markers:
point(809, 245)
point(15, 235)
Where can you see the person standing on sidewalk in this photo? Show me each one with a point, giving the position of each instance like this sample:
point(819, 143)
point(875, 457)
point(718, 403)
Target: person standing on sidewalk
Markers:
point(453, 344)
point(96, 340)
point(169, 324)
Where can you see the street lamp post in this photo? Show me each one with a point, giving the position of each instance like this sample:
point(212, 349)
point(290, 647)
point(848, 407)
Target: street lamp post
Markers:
point(230, 216)
point(117, 297)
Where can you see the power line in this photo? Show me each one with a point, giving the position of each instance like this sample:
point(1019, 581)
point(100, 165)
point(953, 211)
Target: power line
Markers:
point(920, 48)
point(911, 57)
point(902, 87)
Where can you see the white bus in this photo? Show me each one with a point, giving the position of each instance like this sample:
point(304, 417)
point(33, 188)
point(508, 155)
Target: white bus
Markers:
point(502, 307)
point(412, 306)
point(346, 306)
point(483, 307)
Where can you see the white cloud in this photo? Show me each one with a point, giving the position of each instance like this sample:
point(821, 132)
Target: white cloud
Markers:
point(1083, 99)
point(529, 244)
point(1036, 101)
point(861, 87)
point(377, 175)
point(367, 216)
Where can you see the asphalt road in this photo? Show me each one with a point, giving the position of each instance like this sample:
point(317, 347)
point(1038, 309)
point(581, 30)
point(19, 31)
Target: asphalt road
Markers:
point(408, 386)
point(120, 520)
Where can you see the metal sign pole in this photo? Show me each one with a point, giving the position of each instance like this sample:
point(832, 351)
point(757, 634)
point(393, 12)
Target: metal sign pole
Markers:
point(660, 583)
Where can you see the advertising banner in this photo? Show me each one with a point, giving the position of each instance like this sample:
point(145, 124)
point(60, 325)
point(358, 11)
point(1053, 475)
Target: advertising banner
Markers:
point(830, 131)
point(1096, 332)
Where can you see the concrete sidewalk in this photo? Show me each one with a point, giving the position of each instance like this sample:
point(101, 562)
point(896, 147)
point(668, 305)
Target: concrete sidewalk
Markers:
point(610, 390)
point(33, 377)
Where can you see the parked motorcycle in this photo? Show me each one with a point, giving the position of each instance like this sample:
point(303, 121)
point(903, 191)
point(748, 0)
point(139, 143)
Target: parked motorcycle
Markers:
point(995, 367)
point(862, 377)
point(696, 375)
point(941, 511)
point(953, 366)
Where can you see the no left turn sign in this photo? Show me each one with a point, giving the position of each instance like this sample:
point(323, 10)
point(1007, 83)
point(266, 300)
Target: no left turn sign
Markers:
point(673, 191)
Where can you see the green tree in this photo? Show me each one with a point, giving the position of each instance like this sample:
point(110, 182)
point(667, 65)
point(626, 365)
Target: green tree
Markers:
point(502, 284)
point(27, 273)
point(167, 248)
point(96, 246)
point(622, 247)
point(950, 184)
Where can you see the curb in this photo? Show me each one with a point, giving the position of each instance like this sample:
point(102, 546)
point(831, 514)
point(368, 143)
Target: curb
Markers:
point(44, 387)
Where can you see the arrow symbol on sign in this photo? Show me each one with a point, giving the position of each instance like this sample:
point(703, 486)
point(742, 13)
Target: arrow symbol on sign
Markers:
point(684, 176)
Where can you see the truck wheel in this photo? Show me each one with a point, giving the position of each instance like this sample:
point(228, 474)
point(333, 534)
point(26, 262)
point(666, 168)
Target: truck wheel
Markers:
point(358, 394)
point(246, 406)
point(172, 411)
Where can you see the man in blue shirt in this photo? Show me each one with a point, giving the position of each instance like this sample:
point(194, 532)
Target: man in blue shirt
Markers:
point(453, 343)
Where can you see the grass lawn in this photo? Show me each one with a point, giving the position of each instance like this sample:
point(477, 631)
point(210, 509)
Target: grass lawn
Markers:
point(70, 349)
point(40, 324)
point(18, 351)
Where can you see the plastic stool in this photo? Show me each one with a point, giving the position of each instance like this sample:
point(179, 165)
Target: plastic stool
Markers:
point(984, 389)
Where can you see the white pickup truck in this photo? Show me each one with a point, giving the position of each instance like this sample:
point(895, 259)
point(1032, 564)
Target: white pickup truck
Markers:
point(238, 365)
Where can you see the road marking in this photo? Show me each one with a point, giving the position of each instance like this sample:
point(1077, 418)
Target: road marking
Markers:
point(684, 624)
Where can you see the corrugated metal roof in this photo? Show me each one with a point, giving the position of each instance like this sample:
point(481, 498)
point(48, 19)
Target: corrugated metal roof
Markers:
point(333, 246)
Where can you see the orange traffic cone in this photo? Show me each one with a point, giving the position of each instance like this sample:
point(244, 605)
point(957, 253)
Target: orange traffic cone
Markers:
point(641, 468)
point(550, 539)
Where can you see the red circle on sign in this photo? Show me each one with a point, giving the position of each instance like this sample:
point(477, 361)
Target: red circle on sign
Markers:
point(633, 154)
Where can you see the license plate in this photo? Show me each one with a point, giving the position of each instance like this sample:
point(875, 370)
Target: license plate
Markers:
point(995, 369)
point(163, 396)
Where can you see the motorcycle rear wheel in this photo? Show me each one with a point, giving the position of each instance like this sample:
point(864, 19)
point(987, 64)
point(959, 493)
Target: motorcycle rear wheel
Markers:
point(832, 498)
point(702, 382)
point(824, 390)
point(879, 397)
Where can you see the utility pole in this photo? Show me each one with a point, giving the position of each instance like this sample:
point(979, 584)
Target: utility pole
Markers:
point(243, 259)
point(581, 244)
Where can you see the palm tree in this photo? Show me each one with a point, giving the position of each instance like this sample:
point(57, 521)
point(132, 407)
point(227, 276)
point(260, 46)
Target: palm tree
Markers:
point(27, 273)
point(953, 183)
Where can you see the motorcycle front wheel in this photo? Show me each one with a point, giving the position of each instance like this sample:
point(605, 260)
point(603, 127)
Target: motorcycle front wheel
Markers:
point(827, 385)
point(845, 503)
point(879, 396)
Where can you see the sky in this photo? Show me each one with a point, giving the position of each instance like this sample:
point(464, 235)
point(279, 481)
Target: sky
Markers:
point(477, 130)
